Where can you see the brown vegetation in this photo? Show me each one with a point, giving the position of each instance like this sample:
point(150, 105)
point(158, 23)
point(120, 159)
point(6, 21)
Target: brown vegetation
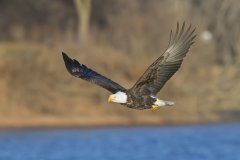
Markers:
point(36, 89)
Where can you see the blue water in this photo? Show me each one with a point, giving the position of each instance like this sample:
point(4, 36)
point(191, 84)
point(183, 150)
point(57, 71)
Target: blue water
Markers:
point(205, 142)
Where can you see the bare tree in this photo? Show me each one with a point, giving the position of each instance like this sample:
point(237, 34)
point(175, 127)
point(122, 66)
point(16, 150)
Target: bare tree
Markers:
point(83, 8)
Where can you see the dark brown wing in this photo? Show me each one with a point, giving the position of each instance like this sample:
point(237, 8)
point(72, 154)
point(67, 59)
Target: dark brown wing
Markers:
point(160, 71)
point(81, 71)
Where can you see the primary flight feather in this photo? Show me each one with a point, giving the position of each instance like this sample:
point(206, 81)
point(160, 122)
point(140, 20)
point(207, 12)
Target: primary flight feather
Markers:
point(142, 94)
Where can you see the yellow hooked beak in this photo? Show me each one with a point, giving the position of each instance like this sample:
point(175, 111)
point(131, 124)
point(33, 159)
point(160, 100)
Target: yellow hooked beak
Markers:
point(110, 99)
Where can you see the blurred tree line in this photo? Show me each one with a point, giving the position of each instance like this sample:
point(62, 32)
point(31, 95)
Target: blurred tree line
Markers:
point(35, 20)
point(133, 26)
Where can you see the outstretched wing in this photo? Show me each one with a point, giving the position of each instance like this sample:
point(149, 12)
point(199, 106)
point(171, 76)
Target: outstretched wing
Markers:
point(160, 71)
point(81, 71)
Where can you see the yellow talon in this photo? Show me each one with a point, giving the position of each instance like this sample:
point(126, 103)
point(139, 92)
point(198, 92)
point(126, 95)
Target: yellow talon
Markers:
point(109, 99)
point(154, 107)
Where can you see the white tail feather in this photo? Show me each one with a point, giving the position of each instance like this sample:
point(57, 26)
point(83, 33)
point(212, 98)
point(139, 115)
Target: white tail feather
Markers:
point(162, 103)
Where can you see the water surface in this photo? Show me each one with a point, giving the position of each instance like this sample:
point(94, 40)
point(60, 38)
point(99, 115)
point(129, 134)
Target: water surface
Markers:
point(204, 142)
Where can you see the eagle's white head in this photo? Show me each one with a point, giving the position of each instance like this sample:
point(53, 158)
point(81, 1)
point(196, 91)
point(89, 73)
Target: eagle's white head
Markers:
point(119, 97)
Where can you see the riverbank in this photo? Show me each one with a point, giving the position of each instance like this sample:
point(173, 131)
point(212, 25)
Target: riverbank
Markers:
point(56, 122)
point(61, 123)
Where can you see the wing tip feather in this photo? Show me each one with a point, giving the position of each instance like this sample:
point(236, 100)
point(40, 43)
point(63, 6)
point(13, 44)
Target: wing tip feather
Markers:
point(72, 65)
point(180, 41)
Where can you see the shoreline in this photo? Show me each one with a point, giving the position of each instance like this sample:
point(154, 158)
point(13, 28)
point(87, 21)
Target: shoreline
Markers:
point(59, 125)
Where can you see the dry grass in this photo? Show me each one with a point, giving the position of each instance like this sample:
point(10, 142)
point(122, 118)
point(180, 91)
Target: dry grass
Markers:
point(36, 89)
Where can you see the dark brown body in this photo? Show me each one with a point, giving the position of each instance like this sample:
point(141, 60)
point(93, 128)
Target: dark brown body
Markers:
point(135, 101)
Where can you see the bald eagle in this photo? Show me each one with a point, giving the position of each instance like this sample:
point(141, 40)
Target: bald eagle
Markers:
point(143, 94)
